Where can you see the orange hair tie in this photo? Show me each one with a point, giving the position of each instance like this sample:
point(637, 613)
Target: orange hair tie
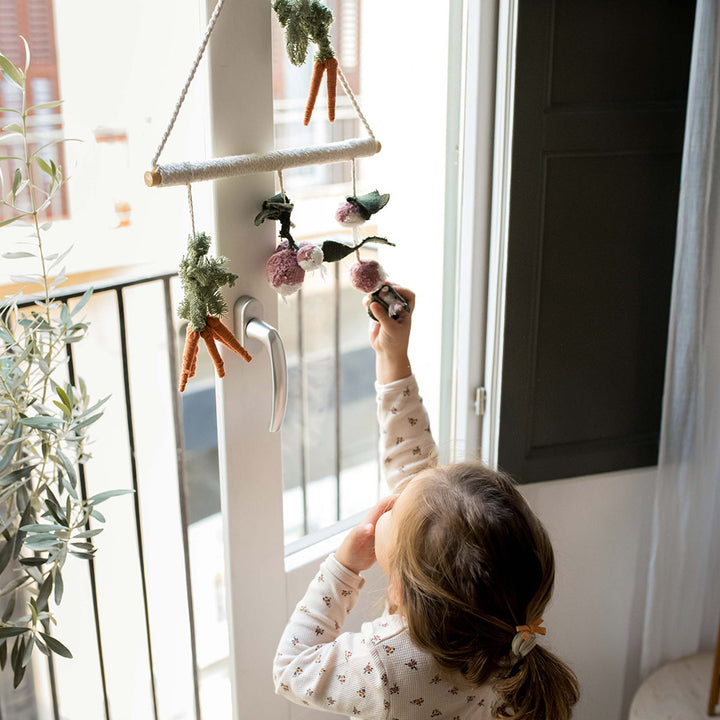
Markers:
point(532, 628)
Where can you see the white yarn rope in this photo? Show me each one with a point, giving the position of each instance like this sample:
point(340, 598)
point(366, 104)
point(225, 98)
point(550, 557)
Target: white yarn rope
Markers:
point(192, 211)
point(188, 172)
point(282, 185)
point(355, 230)
point(353, 100)
point(198, 57)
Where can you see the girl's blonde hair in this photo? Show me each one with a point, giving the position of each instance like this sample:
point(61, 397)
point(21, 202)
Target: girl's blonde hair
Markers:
point(471, 563)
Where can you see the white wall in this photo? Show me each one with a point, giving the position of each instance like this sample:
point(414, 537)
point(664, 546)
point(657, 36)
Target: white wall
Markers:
point(600, 529)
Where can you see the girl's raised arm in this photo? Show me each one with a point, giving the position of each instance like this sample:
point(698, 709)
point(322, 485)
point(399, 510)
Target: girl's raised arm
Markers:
point(406, 442)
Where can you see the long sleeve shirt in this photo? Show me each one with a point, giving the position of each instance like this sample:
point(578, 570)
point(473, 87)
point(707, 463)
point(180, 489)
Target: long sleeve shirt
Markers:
point(377, 672)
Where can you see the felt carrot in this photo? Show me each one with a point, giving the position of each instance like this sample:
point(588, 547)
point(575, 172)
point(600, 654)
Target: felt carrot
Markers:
point(209, 338)
point(224, 335)
point(202, 277)
point(305, 21)
point(315, 82)
point(189, 356)
point(331, 65)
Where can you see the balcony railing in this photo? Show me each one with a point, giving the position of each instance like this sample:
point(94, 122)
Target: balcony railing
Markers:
point(118, 310)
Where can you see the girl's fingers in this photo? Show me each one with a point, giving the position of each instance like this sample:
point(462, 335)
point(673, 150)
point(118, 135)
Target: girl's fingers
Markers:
point(374, 330)
point(380, 509)
point(381, 314)
point(407, 295)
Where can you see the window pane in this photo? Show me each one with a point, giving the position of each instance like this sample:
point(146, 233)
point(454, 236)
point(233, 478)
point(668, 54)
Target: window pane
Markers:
point(330, 466)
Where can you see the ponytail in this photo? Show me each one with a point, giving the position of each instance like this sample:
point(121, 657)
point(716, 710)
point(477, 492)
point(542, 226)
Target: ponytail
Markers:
point(538, 686)
point(472, 565)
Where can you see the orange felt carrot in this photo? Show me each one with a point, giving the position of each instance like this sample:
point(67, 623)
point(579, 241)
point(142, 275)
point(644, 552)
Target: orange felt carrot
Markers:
point(318, 70)
point(331, 64)
point(207, 336)
point(224, 335)
point(193, 367)
point(190, 353)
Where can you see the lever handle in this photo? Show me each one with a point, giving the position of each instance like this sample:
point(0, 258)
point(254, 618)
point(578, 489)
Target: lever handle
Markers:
point(251, 327)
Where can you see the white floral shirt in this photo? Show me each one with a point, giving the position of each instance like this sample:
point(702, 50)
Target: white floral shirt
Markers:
point(377, 672)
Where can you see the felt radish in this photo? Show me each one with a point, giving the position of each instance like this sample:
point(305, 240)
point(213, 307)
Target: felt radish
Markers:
point(358, 209)
point(285, 268)
point(368, 276)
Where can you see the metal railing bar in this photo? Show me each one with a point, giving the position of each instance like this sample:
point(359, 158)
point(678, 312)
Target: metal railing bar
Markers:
point(91, 561)
point(77, 291)
point(304, 449)
point(338, 394)
point(136, 494)
point(182, 487)
point(53, 688)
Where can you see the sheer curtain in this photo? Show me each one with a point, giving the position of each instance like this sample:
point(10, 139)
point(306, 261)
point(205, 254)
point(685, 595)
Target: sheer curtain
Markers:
point(683, 601)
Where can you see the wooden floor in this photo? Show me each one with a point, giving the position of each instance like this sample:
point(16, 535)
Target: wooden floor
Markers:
point(677, 691)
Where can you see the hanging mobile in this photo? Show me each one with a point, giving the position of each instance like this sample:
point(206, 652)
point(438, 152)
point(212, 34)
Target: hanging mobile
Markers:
point(203, 276)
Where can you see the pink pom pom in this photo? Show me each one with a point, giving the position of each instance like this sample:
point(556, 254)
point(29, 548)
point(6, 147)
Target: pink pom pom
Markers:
point(310, 257)
point(348, 214)
point(367, 275)
point(283, 272)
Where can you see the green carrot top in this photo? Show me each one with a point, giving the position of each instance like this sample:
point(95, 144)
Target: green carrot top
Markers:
point(305, 21)
point(201, 278)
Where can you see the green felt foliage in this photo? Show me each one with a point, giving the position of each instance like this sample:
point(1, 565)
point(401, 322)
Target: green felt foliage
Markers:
point(369, 203)
point(201, 278)
point(305, 21)
point(334, 251)
point(279, 208)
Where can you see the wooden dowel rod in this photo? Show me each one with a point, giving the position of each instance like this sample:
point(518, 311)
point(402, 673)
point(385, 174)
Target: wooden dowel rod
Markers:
point(184, 173)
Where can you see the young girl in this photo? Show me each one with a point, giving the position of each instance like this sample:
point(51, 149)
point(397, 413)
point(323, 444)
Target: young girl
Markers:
point(470, 572)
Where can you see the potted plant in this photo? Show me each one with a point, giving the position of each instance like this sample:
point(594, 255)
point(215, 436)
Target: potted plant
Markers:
point(44, 418)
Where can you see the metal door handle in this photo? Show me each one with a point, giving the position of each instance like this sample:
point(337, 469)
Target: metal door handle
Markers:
point(251, 329)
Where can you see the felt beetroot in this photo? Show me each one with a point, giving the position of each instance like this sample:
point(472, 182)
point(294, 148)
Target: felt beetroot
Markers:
point(283, 272)
point(367, 275)
point(358, 209)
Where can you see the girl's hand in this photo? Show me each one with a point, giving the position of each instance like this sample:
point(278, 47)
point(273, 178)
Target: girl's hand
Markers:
point(389, 339)
point(357, 551)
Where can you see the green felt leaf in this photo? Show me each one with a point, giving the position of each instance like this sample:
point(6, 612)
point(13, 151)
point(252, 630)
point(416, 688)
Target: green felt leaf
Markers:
point(334, 251)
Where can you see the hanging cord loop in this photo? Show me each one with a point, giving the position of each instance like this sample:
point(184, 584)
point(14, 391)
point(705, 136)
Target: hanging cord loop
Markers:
point(355, 230)
point(353, 100)
point(181, 99)
point(185, 173)
point(192, 210)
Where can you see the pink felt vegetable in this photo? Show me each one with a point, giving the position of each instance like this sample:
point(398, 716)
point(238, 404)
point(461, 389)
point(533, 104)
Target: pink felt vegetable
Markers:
point(283, 271)
point(367, 275)
point(310, 257)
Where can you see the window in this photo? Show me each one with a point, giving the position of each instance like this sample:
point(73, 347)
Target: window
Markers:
point(119, 105)
point(33, 19)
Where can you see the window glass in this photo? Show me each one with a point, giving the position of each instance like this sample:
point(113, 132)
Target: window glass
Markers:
point(117, 108)
point(330, 458)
